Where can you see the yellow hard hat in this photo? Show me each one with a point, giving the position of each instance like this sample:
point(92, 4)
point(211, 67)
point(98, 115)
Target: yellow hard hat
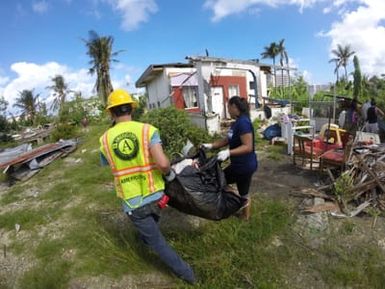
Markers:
point(120, 97)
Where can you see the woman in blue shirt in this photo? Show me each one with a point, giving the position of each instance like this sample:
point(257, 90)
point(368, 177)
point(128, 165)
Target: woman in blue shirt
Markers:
point(241, 150)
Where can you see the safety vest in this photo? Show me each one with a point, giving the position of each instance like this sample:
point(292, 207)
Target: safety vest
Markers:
point(126, 148)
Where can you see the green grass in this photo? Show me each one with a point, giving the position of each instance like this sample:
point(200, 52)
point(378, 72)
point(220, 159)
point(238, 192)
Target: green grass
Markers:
point(236, 254)
point(12, 195)
point(275, 152)
point(360, 266)
point(94, 238)
point(55, 275)
point(27, 218)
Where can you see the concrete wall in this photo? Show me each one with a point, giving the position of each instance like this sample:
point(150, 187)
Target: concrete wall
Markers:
point(212, 124)
point(158, 92)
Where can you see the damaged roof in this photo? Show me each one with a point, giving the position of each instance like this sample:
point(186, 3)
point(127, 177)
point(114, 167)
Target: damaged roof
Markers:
point(155, 69)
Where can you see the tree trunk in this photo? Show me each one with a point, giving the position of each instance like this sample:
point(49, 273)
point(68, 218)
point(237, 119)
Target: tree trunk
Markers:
point(275, 75)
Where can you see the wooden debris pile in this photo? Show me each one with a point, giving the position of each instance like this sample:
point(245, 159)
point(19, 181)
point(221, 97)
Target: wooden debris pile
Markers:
point(360, 187)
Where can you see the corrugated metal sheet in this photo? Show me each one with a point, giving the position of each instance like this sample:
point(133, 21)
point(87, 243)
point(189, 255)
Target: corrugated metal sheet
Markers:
point(11, 153)
point(25, 164)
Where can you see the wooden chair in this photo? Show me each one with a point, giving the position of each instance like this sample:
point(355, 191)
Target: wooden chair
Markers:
point(303, 148)
point(337, 158)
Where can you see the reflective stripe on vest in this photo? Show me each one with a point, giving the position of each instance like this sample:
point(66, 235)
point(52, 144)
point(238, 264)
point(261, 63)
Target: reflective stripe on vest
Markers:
point(152, 182)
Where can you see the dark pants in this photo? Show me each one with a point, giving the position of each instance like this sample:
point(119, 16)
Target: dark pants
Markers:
point(241, 180)
point(145, 219)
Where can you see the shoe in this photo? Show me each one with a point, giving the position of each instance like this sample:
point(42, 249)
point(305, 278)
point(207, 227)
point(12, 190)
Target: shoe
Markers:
point(190, 280)
point(188, 277)
point(244, 212)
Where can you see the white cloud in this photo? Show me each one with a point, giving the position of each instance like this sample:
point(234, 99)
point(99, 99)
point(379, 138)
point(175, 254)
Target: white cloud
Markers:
point(3, 80)
point(38, 77)
point(307, 76)
point(124, 76)
point(363, 29)
point(134, 12)
point(40, 7)
point(223, 8)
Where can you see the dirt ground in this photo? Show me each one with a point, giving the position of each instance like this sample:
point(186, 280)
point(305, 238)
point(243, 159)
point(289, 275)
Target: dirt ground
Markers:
point(279, 177)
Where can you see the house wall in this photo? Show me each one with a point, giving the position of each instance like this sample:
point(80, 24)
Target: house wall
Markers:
point(226, 81)
point(249, 71)
point(158, 92)
point(159, 89)
point(263, 84)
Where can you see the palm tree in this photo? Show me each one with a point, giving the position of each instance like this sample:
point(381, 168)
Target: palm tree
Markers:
point(60, 91)
point(28, 103)
point(343, 53)
point(3, 105)
point(100, 51)
point(271, 52)
point(337, 68)
point(283, 57)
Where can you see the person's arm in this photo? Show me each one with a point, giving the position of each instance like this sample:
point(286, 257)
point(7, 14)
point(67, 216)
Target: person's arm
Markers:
point(103, 160)
point(220, 143)
point(379, 111)
point(160, 158)
point(246, 146)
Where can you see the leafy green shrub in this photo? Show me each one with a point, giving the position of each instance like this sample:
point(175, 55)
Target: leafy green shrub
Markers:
point(175, 128)
point(140, 110)
point(64, 131)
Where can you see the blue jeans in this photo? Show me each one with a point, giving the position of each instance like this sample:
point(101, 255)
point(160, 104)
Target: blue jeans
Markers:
point(145, 219)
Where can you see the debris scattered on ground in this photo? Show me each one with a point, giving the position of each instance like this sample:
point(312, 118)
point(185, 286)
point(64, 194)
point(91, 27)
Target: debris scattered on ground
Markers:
point(22, 162)
point(360, 187)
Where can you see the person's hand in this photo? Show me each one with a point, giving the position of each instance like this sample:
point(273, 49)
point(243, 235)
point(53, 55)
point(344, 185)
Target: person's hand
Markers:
point(170, 176)
point(223, 155)
point(207, 146)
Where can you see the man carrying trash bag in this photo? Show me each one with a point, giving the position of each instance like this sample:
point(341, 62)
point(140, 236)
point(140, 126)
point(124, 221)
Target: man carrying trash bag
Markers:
point(134, 152)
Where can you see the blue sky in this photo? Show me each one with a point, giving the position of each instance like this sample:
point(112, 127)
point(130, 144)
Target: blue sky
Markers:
point(43, 38)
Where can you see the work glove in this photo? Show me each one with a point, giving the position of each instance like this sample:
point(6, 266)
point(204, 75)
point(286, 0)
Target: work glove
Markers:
point(207, 146)
point(170, 176)
point(223, 155)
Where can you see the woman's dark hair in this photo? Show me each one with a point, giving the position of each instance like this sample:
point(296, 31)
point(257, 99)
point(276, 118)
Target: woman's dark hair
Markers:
point(373, 101)
point(241, 104)
point(124, 109)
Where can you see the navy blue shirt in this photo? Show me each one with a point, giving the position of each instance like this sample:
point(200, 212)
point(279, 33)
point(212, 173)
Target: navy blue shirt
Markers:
point(247, 163)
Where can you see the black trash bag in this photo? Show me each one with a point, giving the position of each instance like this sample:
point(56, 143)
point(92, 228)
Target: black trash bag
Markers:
point(202, 191)
point(267, 111)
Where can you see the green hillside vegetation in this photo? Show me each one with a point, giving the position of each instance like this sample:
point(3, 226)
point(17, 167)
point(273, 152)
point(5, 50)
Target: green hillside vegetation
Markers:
point(74, 235)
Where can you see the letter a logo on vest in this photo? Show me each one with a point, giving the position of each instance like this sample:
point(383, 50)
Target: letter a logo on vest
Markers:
point(126, 146)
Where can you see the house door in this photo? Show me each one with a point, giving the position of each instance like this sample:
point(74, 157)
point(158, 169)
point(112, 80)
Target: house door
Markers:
point(217, 101)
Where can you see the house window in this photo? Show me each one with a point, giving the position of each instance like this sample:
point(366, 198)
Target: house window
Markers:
point(190, 96)
point(233, 90)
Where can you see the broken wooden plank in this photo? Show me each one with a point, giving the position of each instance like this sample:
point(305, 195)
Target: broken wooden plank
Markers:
point(373, 175)
point(359, 209)
point(327, 206)
point(314, 193)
